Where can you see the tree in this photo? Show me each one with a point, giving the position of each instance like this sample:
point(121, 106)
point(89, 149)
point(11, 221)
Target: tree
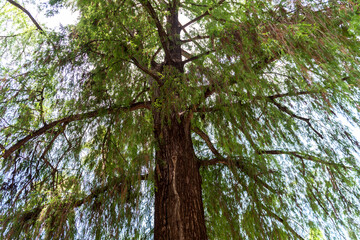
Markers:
point(227, 125)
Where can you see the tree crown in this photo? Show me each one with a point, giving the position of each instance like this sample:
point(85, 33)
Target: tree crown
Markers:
point(265, 86)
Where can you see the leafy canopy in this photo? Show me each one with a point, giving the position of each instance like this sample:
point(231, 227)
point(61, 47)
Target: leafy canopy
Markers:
point(268, 83)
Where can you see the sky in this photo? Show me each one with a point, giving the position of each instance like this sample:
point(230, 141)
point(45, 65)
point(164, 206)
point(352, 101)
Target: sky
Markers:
point(63, 18)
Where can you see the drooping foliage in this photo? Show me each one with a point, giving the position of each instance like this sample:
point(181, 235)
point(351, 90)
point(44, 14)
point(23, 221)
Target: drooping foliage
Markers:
point(272, 88)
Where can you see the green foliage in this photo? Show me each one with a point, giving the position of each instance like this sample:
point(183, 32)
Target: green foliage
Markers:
point(315, 234)
point(269, 82)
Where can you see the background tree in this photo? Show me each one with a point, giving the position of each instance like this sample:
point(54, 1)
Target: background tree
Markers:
point(220, 119)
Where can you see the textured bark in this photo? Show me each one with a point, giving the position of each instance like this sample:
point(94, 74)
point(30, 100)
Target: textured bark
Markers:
point(179, 212)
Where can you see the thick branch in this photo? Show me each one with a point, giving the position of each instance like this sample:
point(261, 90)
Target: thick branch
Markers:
point(27, 13)
point(72, 118)
point(162, 34)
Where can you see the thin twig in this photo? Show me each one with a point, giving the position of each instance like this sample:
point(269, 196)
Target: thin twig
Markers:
point(202, 15)
point(197, 57)
point(208, 142)
point(290, 113)
point(198, 37)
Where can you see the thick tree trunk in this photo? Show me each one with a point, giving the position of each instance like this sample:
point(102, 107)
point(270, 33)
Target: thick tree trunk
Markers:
point(179, 212)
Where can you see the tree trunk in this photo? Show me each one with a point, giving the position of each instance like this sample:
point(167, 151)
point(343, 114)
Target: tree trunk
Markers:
point(179, 212)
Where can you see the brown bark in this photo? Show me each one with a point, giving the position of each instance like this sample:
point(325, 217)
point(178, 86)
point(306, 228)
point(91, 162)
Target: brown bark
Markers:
point(179, 212)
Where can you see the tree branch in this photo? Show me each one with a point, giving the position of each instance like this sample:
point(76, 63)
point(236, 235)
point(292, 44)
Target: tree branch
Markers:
point(302, 156)
point(162, 34)
point(144, 69)
point(33, 214)
point(240, 164)
point(210, 89)
point(292, 94)
point(27, 13)
point(197, 56)
point(198, 37)
point(49, 146)
point(154, 64)
point(208, 92)
point(290, 113)
point(205, 109)
point(202, 15)
point(206, 138)
point(214, 161)
point(72, 118)
point(285, 223)
point(186, 54)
